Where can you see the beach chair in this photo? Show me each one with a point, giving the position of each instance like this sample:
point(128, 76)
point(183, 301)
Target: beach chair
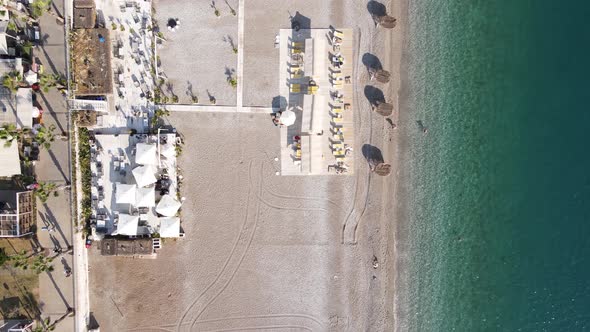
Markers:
point(297, 73)
point(337, 120)
point(295, 88)
point(297, 45)
point(336, 112)
point(338, 34)
point(312, 89)
point(296, 51)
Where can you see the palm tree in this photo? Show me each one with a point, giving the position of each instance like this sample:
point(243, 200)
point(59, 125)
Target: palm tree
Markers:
point(39, 7)
point(43, 190)
point(8, 133)
point(42, 264)
point(12, 80)
point(45, 136)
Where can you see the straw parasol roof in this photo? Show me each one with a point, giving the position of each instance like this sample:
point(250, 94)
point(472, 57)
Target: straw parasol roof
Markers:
point(169, 227)
point(145, 197)
point(144, 175)
point(288, 118)
point(125, 193)
point(383, 108)
point(127, 224)
point(382, 169)
point(382, 76)
point(168, 206)
point(387, 21)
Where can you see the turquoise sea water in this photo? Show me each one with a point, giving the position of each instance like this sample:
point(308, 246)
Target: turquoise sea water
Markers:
point(499, 224)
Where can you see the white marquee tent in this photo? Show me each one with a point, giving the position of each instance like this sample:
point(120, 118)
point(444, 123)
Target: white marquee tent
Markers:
point(170, 227)
point(288, 118)
point(168, 206)
point(145, 197)
point(127, 224)
point(168, 150)
point(144, 175)
point(125, 193)
point(145, 154)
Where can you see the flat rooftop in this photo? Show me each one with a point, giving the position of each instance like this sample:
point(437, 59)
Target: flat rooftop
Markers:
point(91, 62)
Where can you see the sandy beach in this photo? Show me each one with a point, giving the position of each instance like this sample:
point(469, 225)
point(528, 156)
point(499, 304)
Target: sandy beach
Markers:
point(269, 252)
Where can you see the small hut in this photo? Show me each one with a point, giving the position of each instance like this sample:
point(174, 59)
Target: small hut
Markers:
point(382, 76)
point(387, 21)
point(382, 169)
point(383, 108)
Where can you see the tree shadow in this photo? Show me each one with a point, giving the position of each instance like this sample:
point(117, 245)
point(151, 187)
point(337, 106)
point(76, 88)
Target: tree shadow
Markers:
point(53, 221)
point(189, 89)
point(211, 97)
point(371, 62)
point(374, 95)
point(279, 103)
point(58, 165)
point(59, 292)
point(228, 39)
point(372, 153)
point(376, 8)
point(51, 111)
point(229, 73)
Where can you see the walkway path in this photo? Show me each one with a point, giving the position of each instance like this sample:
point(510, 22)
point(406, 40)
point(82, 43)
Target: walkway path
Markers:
point(216, 109)
point(240, 101)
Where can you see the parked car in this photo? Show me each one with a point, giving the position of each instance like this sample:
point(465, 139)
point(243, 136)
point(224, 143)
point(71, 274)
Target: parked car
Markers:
point(35, 33)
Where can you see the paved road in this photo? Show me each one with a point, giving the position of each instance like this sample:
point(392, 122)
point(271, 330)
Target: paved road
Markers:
point(56, 290)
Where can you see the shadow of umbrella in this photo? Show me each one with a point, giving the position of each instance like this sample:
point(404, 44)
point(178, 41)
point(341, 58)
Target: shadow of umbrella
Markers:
point(372, 154)
point(374, 95)
point(300, 22)
point(279, 103)
point(376, 8)
point(371, 62)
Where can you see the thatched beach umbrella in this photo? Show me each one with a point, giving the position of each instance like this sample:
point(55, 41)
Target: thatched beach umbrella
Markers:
point(383, 108)
point(381, 76)
point(387, 21)
point(382, 169)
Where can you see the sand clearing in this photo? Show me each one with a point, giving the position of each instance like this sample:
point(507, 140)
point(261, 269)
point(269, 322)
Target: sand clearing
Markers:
point(265, 251)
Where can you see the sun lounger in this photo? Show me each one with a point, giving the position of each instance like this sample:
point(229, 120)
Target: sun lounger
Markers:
point(297, 44)
point(337, 120)
point(295, 88)
point(312, 89)
point(296, 51)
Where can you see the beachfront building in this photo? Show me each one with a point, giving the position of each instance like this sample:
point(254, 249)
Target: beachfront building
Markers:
point(16, 106)
point(317, 127)
point(134, 185)
point(16, 213)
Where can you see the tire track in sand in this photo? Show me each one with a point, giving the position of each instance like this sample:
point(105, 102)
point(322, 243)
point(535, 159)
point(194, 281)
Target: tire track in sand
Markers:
point(349, 229)
point(252, 228)
point(243, 234)
point(312, 320)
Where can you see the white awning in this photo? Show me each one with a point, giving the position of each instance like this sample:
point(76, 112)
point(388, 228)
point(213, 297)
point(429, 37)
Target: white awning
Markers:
point(168, 206)
point(125, 193)
point(288, 118)
point(9, 159)
point(169, 227)
point(31, 77)
point(127, 224)
point(24, 108)
point(145, 197)
point(144, 175)
point(168, 150)
point(145, 154)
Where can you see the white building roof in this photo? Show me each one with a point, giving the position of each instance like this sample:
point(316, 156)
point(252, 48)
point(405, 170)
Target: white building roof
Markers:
point(145, 154)
point(169, 227)
point(144, 175)
point(24, 108)
point(127, 224)
point(125, 193)
point(9, 159)
point(168, 206)
point(3, 44)
point(145, 197)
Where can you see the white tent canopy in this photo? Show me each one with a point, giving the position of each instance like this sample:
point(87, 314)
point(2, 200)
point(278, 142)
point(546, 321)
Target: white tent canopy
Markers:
point(127, 224)
point(144, 175)
point(168, 150)
point(145, 197)
point(31, 77)
point(145, 154)
point(169, 227)
point(288, 118)
point(10, 162)
point(168, 206)
point(125, 193)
